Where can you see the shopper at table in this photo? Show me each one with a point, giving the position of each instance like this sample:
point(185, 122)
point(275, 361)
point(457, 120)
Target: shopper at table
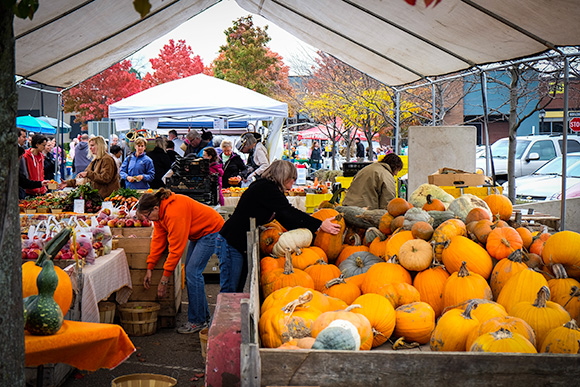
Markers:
point(23, 181)
point(137, 169)
point(82, 154)
point(257, 156)
point(101, 173)
point(177, 219)
point(264, 200)
point(374, 186)
point(170, 149)
point(315, 156)
point(32, 163)
point(161, 162)
point(49, 160)
point(215, 167)
point(232, 163)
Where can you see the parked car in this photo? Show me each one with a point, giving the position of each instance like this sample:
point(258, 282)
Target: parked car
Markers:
point(571, 192)
point(546, 182)
point(531, 153)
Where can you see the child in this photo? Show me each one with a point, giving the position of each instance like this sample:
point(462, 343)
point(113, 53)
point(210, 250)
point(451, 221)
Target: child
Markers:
point(210, 154)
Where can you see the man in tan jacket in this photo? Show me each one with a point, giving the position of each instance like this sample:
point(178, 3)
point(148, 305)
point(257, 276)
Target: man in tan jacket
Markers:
point(374, 186)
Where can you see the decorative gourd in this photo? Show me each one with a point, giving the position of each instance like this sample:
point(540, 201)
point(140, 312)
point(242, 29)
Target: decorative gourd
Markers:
point(533, 261)
point(42, 315)
point(564, 339)
point(400, 293)
point(282, 297)
point(480, 230)
point(277, 326)
point(415, 322)
point(383, 273)
point(415, 215)
point(330, 243)
point(504, 270)
point(290, 240)
point(30, 271)
point(463, 286)
point(445, 232)
point(542, 315)
point(433, 204)
point(397, 224)
point(510, 323)
point(500, 206)
point(280, 278)
point(358, 263)
point(440, 216)
point(395, 242)
point(430, 283)
point(452, 329)
point(563, 247)
point(371, 234)
point(321, 273)
point(340, 335)
point(460, 249)
point(333, 202)
point(348, 250)
point(398, 206)
point(385, 224)
point(562, 290)
point(415, 255)
point(302, 257)
point(422, 230)
point(380, 313)
point(477, 213)
point(358, 217)
point(523, 286)
point(503, 341)
point(526, 235)
point(361, 323)
point(339, 288)
point(268, 238)
point(465, 203)
point(418, 197)
point(502, 241)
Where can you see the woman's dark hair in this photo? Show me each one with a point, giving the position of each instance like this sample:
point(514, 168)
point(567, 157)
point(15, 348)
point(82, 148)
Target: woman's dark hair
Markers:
point(115, 149)
point(211, 152)
point(20, 151)
point(169, 144)
point(148, 201)
point(37, 139)
point(393, 161)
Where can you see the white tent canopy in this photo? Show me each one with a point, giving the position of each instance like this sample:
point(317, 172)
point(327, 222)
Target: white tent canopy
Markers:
point(69, 41)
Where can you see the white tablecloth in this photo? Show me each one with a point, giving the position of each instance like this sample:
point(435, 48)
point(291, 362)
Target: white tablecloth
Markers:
point(109, 274)
point(297, 201)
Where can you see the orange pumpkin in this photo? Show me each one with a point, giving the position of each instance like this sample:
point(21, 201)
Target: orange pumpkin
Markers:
point(415, 322)
point(415, 254)
point(280, 278)
point(304, 257)
point(564, 339)
point(385, 223)
point(396, 241)
point(422, 230)
point(321, 273)
point(400, 293)
point(382, 273)
point(452, 330)
point(526, 235)
point(480, 230)
point(340, 288)
point(510, 323)
point(330, 243)
point(398, 206)
point(380, 313)
point(463, 286)
point(500, 206)
point(433, 204)
point(563, 289)
point(430, 283)
point(503, 241)
point(460, 249)
point(361, 323)
point(348, 250)
point(281, 297)
point(397, 223)
point(444, 232)
point(268, 238)
point(538, 243)
point(523, 286)
point(504, 270)
point(268, 264)
point(563, 247)
point(476, 214)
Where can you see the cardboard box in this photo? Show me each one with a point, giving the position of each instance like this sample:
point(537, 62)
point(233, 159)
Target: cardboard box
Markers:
point(456, 177)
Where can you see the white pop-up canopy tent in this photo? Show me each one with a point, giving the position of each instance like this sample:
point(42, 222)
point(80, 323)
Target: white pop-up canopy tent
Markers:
point(202, 96)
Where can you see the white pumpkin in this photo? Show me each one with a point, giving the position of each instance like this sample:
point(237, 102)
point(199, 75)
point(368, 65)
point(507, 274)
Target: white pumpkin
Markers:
point(290, 240)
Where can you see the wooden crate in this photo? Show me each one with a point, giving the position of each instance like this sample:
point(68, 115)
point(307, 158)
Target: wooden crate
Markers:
point(53, 375)
point(135, 245)
point(136, 231)
point(139, 260)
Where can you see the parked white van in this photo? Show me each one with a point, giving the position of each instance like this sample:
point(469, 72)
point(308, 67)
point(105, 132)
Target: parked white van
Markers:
point(531, 153)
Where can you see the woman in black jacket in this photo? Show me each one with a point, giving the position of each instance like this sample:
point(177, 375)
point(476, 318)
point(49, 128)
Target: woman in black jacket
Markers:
point(161, 162)
point(232, 163)
point(263, 200)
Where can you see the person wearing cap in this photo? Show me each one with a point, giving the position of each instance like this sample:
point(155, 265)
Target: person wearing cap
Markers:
point(258, 160)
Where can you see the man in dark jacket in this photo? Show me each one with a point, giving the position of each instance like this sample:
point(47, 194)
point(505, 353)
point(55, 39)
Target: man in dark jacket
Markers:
point(82, 161)
point(161, 162)
point(360, 150)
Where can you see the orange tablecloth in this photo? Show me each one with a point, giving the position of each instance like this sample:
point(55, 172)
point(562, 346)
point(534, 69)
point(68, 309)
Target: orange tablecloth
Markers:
point(83, 345)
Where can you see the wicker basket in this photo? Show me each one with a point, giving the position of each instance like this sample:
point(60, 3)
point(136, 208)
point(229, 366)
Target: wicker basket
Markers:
point(203, 341)
point(139, 318)
point(142, 380)
point(107, 312)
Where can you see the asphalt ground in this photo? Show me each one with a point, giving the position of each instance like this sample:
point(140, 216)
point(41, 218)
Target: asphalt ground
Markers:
point(165, 353)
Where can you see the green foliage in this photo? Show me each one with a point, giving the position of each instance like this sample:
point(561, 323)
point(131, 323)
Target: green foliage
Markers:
point(142, 6)
point(23, 8)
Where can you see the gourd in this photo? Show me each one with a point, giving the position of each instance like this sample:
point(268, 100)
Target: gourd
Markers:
point(416, 255)
point(43, 316)
point(340, 335)
point(415, 215)
point(360, 322)
point(30, 271)
point(503, 341)
point(418, 197)
point(290, 240)
point(465, 203)
point(358, 263)
point(440, 217)
point(371, 234)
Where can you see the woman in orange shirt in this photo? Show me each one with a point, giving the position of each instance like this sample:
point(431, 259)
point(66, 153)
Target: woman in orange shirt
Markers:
point(177, 219)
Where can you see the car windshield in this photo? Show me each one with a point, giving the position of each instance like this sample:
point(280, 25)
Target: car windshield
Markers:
point(500, 148)
point(554, 167)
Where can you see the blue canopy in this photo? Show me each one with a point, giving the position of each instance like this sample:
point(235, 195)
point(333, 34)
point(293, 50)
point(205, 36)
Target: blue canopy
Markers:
point(33, 124)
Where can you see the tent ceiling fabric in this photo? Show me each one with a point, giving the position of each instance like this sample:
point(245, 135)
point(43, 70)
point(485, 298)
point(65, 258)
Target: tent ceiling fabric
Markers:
point(69, 41)
point(397, 43)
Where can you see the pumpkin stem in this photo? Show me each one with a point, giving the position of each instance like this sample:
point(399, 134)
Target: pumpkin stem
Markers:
point(559, 271)
point(429, 199)
point(470, 306)
point(463, 272)
point(288, 268)
point(335, 281)
point(359, 262)
point(516, 256)
point(542, 298)
point(572, 325)
point(320, 262)
point(303, 299)
point(501, 334)
point(351, 307)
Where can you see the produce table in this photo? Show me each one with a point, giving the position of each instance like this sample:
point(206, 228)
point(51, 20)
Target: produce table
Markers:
point(109, 274)
point(297, 201)
point(86, 346)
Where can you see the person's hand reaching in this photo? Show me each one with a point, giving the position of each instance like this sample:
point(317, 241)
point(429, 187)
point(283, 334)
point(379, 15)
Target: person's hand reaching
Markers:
point(330, 227)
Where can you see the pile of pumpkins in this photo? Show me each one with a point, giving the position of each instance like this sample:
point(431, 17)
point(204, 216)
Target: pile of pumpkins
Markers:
point(456, 276)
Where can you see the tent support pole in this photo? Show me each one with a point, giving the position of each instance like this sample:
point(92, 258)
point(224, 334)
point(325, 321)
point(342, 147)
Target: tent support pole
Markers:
point(564, 145)
point(483, 81)
point(57, 174)
point(397, 121)
point(434, 105)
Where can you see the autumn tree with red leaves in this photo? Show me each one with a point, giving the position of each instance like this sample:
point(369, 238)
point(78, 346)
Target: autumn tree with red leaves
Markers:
point(90, 99)
point(175, 61)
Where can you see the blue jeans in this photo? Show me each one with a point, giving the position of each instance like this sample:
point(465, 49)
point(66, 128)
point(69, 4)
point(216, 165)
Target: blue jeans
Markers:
point(198, 254)
point(231, 262)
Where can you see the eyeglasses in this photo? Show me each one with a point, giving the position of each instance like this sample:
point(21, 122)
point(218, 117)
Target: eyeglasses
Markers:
point(147, 216)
